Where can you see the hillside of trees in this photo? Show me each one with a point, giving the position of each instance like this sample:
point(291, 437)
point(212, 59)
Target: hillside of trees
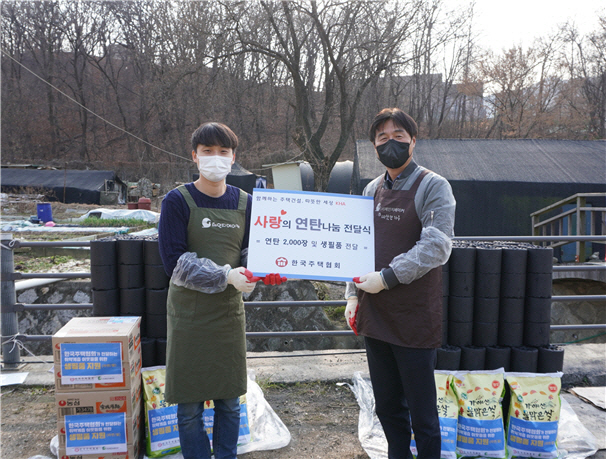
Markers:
point(122, 84)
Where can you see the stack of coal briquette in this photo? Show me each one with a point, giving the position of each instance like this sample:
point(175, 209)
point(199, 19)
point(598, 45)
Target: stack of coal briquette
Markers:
point(128, 279)
point(497, 308)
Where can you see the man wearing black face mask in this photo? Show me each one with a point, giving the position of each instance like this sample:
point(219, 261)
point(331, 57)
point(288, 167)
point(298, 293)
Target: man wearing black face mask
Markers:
point(399, 306)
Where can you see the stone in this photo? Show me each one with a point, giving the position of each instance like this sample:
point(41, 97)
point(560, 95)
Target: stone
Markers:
point(145, 187)
point(577, 312)
point(265, 319)
point(50, 321)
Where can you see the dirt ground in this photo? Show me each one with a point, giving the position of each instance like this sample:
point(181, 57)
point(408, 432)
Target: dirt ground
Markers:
point(322, 419)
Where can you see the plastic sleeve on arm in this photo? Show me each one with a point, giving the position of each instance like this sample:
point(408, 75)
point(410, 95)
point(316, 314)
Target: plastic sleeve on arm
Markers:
point(244, 257)
point(436, 205)
point(432, 250)
point(350, 290)
point(200, 274)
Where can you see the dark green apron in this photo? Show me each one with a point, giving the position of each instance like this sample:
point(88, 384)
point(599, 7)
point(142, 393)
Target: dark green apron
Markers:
point(206, 349)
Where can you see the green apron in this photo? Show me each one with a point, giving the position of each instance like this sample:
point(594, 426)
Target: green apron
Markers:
point(206, 349)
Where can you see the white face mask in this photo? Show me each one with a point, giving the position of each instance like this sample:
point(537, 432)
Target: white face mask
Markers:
point(214, 168)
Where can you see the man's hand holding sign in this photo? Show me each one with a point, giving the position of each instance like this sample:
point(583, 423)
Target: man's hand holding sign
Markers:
point(248, 283)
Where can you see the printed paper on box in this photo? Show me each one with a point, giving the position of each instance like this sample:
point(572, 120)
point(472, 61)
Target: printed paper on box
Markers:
point(85, 363)
point(307, 235)
point(95, 434)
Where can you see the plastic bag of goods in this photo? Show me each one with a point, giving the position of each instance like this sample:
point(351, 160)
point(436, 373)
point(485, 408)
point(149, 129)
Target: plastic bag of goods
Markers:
point(534, 414)
point(161, 426)
point(447, 404)
point(480, 430)
point(447, 412)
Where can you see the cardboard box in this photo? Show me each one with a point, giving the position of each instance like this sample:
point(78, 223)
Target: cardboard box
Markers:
point(132, 453)
point(97, 402)
point(133, 429)
point(125, 330)
point(93, 356)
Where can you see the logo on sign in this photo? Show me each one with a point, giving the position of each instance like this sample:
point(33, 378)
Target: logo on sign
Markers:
point(281, 262)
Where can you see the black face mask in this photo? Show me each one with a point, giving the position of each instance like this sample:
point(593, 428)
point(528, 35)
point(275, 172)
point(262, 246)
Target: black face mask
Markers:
point(393, 154)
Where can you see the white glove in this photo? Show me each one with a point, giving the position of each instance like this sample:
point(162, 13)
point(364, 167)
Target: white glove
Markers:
point(238, 278)
point(350, 310)
point(371, 282)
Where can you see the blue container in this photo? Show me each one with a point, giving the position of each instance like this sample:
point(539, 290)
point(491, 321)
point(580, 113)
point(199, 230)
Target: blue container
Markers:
point(45, 212)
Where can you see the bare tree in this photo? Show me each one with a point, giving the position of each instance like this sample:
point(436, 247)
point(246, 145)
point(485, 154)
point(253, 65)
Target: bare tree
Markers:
point(586, 65)
point(79, 25)
point(13, 93)
point(332, 51)
point(295, 79)
point(512, 77)
point(42, 41)
point(140, 45)
point(109, 62)
point(458, 57)
point(442, 47)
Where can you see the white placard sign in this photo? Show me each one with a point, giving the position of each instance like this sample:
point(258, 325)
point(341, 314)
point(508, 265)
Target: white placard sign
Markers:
point(310, 235)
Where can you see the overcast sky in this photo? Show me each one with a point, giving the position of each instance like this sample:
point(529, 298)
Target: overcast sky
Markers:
point(505, 23)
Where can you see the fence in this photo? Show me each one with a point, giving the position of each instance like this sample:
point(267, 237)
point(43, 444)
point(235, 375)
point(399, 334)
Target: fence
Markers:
point(571, 221)
point(10, 307)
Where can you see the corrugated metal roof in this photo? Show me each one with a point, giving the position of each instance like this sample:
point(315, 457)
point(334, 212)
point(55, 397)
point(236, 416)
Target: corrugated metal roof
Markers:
point(519, 160)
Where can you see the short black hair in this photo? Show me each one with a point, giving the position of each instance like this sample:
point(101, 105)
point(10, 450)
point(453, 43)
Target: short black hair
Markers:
point(211, 134)
point(399, 117)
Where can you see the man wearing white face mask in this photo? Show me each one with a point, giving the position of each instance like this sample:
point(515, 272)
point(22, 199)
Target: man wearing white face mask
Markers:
point(203, 239)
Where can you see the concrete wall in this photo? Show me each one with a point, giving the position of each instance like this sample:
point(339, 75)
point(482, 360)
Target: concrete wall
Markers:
point(257, 319)
point(49, 322)
point(581, 312)
point(288, 319)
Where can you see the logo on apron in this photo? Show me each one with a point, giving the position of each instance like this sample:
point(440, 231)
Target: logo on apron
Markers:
point(208, 223)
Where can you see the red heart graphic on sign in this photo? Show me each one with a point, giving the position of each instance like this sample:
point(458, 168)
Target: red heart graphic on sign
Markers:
point(283, 212)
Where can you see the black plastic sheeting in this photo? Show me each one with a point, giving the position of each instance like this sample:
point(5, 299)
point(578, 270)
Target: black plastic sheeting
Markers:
point(244, 182)
point(504, 208)
point(499, 183)
point(69, 186)
point(513, 160)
